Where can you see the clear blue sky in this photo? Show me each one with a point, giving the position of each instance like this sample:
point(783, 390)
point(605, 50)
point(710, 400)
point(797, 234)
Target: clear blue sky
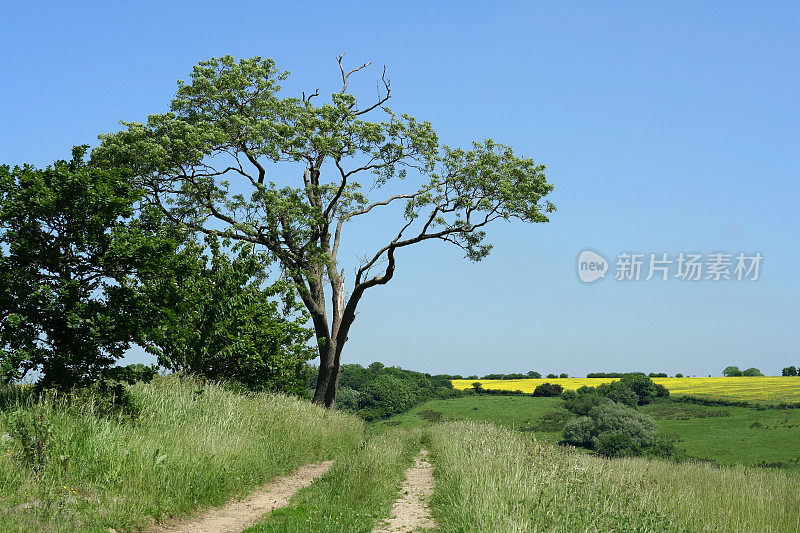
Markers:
point(666, 127)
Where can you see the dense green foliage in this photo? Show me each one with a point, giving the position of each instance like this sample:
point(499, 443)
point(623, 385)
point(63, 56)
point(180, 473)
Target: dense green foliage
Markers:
point(378, 392)
point(612, 429)
point(789, 371)
point(548, 389)
point(65, 253)
point(212, 314)
point(733, 371)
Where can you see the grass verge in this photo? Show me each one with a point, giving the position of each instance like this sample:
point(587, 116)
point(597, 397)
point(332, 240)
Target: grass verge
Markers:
point(490, 478)
point(354, 494)
point(191, 446)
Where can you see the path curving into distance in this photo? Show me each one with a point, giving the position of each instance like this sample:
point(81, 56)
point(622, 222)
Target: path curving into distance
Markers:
point(411, 511)
point(239, 515)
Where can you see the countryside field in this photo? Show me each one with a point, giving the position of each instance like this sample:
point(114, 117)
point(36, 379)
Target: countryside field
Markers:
point(768, 389)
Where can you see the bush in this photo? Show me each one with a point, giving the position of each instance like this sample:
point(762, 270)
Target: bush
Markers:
point(548, 389)
point(620, 392)
point(563, 375)
point(678, 375)
point(551, 376)
point(578, 431)
point(789, 371)
point(642, 385)
point(613, 429)
point(581, 401)
point(616, 443)
point(752, 372)
point(131, 374)
point(661, 391)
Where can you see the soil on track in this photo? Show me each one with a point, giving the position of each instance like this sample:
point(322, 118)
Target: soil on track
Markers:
point(238, 515)
point(411, 511)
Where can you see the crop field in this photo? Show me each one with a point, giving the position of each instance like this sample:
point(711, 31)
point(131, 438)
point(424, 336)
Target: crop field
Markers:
point(753, 389)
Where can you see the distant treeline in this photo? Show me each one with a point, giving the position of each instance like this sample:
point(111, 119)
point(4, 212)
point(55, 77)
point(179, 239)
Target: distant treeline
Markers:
point(620, 374)
point(379, 391)
point(536, 375)
point(514, 375)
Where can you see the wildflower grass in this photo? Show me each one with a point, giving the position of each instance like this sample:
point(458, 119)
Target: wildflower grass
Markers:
point(491, 478)
point(192, 445)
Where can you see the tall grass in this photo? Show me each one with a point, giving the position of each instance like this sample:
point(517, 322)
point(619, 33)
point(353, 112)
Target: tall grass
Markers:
point(192, 445)
point(494, 479)
point(354, 494)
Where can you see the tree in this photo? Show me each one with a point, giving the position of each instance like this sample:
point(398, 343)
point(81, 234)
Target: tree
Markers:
point(65, 308)
point(752, 372)
point(732, 371)
point(533, 375)
point(211, 314)
point(230, 123)
point(789, 371)
point(563, 375)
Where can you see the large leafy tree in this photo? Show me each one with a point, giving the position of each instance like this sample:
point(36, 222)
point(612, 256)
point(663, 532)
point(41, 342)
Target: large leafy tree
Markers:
point(66, 250)
point(235, 157)
point(211, 313)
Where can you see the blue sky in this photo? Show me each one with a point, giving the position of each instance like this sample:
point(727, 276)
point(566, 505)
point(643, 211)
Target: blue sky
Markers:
point(666, 127)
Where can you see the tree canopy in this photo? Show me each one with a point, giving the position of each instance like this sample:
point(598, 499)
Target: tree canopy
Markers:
point(234, 157)
point(66, 310)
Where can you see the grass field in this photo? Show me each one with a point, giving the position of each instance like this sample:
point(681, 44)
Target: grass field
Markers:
point(191, 446)
point(753, 389)
point(490, 478)
point(725, 435)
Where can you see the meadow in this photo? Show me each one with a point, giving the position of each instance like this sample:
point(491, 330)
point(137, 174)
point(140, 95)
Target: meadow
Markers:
point(766, 389)
point(191, 445)
point(720, 434)
point(491, 478)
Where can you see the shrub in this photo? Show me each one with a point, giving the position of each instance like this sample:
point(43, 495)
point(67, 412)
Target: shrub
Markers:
point(551, 376)
point(678, 375)
point(642, 385)
point(661, 391)
point(578, 431)
point(612, 429)
point(616, 443)
point(563, 375)
point(620, 392)
point(581, 401)
point(548, 389)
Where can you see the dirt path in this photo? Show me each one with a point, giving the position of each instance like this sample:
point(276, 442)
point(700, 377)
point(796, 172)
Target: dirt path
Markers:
point(238, 515)
point(411, 512)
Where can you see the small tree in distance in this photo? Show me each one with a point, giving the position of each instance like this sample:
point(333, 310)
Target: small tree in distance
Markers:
point(732, 371)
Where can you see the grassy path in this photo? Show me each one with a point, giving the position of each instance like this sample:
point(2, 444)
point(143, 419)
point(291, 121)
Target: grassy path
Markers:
point(238, 515)
point(411, 511)
point(354, 495)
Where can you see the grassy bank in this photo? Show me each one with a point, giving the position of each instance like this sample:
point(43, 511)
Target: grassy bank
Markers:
point(190, 446)
point(355, 494)
point(494, 479)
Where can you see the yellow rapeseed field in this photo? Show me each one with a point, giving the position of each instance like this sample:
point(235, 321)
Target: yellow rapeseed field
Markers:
point(754, 389)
